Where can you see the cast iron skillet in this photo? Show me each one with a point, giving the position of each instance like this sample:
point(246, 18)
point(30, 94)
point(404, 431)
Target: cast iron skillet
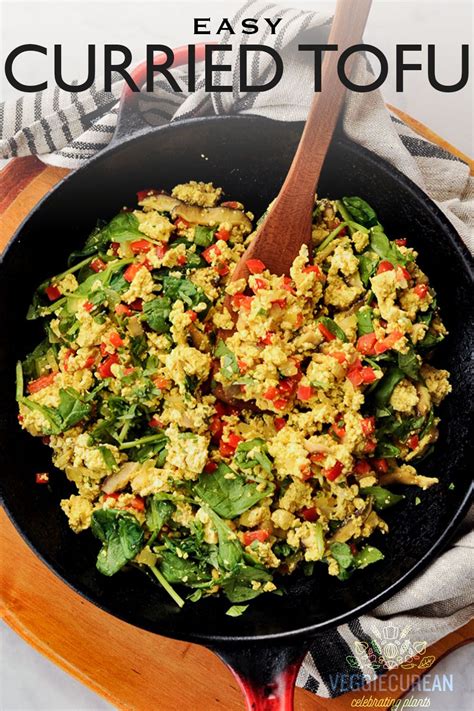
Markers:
point(249, 157)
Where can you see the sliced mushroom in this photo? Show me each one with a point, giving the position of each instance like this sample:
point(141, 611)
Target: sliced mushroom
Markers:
point(211, 216)
point(406, 474)
point(200, 340)
point(119, 479)
point(162, 202)
point(316, 447)
point(353, 526)
point(424, 400)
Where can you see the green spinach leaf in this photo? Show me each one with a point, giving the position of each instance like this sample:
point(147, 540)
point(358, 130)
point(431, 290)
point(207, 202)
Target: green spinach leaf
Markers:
point(367, 266)
point(409, 364)
point(183, 289)
point(383, 498)
point(229, 366)
point(156, 313)
point(230, 551)
point(386, 386)
point(381, 245)
point(72, 409)
point(121, 536)
point(227, 493)
point(367, 556)
point(249, 454)
point(333, 328)
point(364, 321)
point(342, 553)
point(236, 610)
point(184, 570)
point(203, 236)
point(360, 211)
point(158, 512)
point(238, 587)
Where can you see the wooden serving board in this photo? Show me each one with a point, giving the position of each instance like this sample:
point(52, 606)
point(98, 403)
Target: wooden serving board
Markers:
point(135, 670)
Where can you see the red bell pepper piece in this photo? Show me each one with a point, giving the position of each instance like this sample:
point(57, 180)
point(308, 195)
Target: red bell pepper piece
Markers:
point(116, 340)
point(304, 392)
point(222, 269)
point(388, 342)
point(421, 290)
point(98, 265)
point(259, 284)
point(123, 310)
point(233, 204)
point(216, 427)
point(413, 441)
point(366, 344)
point(35, 386)
point(309, 514)
point(317, 457)
point(335, 471)
point(385, 266)
point(222, 234)
point(233, 440)
point(131, 271)
point(140, 246)
point(210, 467)
point(255, 266)
point(326, 332)
point(401, 242)
point(338, 429)
point(137, 503)
point(155, 423)
point(404, 273)
point(137, 305)
point(42, 478)
point(267, 339)
point(316, 270)
point(161, 382)
point(288, 285)
point(52, 292)
point(381, 465)
point(251, 536)
point(161, 250)
point(271, 393)
point(362, 467)
point(241, 301)
point(210, 253)
point(105, 368)
point(279, 423)
point(368, 426)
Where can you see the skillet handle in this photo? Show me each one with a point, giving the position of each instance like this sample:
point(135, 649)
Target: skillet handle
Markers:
point(130, 120)
point(266, 675)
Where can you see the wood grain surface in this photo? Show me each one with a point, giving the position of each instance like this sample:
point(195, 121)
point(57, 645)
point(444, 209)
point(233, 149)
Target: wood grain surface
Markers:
point(135, 670)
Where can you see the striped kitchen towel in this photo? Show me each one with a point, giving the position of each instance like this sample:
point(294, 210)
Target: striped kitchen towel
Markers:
point(68, 129)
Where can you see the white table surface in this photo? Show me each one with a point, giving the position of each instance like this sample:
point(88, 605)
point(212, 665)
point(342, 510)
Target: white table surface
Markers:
point(29, 682)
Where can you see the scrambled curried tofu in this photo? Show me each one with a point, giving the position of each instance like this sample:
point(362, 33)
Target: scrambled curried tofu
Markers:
point(334, 399)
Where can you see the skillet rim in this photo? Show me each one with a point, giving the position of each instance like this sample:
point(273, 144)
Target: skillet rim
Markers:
point(463, 506)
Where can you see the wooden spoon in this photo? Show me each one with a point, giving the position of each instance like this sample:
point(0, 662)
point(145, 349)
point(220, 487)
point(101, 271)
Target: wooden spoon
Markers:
point(288, 225)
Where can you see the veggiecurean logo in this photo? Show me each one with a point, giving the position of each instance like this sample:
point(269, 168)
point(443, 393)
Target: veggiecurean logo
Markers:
point(390, 647)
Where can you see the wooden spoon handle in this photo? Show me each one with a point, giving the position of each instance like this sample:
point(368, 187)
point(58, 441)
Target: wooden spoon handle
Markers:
point(288, 225)
point(347, 28)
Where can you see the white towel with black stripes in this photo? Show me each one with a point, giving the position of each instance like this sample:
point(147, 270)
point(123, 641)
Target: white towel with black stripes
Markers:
point(65, 130)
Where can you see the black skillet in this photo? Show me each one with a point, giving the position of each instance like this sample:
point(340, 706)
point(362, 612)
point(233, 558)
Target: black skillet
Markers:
point(249, 157)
